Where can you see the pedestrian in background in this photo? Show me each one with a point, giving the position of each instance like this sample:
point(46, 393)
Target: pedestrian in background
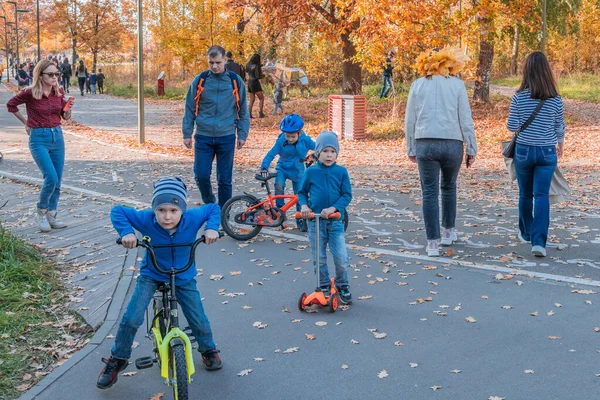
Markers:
point(22, 77)
point(254, 70)
point(216, 106)
point(235, 67)
point(538, 148)
point(386, 76)
point(101, 79)
point(93, 81)
point(438, 121)
point(278, 97)
point(45, 103)
point(67, 72)
point(82, 75)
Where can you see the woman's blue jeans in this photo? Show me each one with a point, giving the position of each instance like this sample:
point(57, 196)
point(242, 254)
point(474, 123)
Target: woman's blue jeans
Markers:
point(535, 167)
point(435, 156)
point(189, 301)
point(330, 232)
point(47, 148)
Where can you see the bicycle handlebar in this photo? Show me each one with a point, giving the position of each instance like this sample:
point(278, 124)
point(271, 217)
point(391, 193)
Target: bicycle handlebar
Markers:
point(145, 243)
point(335, 215)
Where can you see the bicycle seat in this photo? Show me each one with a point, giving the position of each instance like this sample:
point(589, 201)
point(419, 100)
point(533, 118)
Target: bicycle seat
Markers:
point(262, 179)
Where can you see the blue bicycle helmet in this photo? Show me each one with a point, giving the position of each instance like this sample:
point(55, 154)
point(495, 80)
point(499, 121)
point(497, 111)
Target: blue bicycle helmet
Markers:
point(291, 123)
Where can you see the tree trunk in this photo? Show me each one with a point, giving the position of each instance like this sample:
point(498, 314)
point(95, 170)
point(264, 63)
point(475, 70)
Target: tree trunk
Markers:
point(94, 59)
point(515, 51)
point(352, 81)
point(481, 91)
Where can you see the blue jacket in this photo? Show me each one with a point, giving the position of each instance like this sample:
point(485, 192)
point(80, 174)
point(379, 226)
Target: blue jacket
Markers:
point(324, 187)
point(125, 220)
point(291, 156)
point(217, 111)
point(93, 78)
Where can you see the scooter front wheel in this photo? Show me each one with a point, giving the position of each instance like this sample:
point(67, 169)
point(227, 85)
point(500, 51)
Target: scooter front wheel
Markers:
point(301, 305)
point(235, 206)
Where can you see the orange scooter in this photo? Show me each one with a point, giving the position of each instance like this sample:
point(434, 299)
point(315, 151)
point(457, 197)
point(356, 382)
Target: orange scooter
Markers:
point(317, 297)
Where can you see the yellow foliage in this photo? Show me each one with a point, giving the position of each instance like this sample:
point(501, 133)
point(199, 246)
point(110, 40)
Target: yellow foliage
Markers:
point(447, 61)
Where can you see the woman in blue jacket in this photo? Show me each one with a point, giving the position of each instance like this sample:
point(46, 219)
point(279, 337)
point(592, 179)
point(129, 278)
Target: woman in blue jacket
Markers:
point(291, 146)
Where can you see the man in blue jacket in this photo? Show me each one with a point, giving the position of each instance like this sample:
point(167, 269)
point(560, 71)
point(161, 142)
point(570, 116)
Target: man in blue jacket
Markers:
point(216, 105)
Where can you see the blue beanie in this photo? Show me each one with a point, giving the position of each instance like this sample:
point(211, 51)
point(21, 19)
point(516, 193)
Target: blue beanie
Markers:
point(327, 139)
point(170, 191)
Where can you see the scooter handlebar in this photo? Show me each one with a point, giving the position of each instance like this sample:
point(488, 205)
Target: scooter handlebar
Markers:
point(335, 215)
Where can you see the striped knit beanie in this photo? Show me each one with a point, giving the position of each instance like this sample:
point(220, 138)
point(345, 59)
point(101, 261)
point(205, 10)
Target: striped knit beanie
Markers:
point(170, 191)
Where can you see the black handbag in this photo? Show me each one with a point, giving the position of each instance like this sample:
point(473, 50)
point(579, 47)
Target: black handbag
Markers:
point(508, 148)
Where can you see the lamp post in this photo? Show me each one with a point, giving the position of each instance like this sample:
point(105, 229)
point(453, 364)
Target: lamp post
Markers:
point(6, 48)
point(17, 11)
point(37, 9)
point(141, 133)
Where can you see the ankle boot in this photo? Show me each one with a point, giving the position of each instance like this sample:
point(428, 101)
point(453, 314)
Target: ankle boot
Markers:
point(54, 223)
point(41, 219)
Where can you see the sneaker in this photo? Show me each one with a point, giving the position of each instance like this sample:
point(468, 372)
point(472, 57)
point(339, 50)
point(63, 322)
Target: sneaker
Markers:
point(41, 219)
point(538, 251)
point(448, 237)
point(211, 359)
point(325, 290)
point(110, 373)
point(520, 237)
point(433, 248)
point(345, 295)
point(54, 223)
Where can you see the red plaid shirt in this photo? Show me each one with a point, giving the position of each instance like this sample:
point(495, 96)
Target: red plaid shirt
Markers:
point(43, 113)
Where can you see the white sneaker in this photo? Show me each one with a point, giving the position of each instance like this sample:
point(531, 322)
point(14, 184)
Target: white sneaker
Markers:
point(54, 223)
point(41, 219)
point(448, 237)
point(538, 251)
point(520, 237)
point(433, 248)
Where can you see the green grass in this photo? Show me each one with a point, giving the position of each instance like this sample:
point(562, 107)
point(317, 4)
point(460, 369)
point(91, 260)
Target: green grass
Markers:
point(129, 91)
point(31, 300)
point(579, 86)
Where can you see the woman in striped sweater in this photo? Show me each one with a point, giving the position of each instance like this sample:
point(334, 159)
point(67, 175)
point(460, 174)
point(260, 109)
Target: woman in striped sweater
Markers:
point(538, 148)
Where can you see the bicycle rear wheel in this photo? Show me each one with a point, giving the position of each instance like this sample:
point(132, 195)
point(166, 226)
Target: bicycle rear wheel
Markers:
point(234, 206)
point(179, 375)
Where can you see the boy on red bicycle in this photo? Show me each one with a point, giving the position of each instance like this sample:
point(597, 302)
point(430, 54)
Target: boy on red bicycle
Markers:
point(291, 146)
point(167, 223)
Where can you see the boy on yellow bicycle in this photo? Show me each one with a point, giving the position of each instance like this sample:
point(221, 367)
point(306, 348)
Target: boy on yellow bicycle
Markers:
point(291, 146)
point(167, 223)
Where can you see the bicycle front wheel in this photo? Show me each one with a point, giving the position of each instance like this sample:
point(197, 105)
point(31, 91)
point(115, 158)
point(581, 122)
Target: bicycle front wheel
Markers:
point(234, 206)
point(179, 374)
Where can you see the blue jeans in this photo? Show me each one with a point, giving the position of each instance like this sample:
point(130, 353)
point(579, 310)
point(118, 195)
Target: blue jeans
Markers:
point(47, 148)
point(535, 167)
point(435, 156)
point(386, 86)
point(280, 186)
point(206, 149)
point(330, 232)
point(81, 82)
point(189, 301)
point(276, 107)
point(93, 87)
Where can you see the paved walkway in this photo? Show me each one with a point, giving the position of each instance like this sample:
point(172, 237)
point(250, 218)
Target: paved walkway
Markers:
point(386, 243)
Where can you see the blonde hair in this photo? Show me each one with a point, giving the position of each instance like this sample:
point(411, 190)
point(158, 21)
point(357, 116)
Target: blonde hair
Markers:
point(37, 88)
point(445, 62)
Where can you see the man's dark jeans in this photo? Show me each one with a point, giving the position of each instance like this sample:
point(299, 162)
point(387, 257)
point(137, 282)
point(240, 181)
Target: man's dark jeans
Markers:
point(206, 149)
point(433, 156)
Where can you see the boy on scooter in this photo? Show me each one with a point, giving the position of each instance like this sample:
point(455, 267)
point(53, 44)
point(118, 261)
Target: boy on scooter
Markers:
point(326, 189)
point(167, 223)
point(291, 146)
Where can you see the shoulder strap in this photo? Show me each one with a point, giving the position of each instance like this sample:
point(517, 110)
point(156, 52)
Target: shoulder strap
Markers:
point(200, 88)
point(532, 116)
point(235, 92)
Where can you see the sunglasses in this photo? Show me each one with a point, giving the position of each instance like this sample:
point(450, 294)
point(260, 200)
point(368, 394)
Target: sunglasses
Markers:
point(52, 74)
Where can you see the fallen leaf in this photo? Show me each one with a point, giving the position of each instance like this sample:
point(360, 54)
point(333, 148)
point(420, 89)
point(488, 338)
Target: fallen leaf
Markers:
point(259, 359)
point(157, 396)
point(365, 297)
point(470, 319)
point(344, 366)
point(496, 398)
point(354, 341)
point(291, 350)
point(259, 325)
point(596, 330)
point(216, 277)
point(297, 320)
point(528, 371)
point(284, 309)
point(132, 373)
point(434, 388)
point(553, 337)
point(534, 314)
point(244, 372)
point(398, 344)
point(235, 273)
point(550, 313)
point(456, 371)
point(413, 365)
point(379, 335)
point(309, 336)
point(320, 323)
point(557, 305)
point(382, 374)
point(506, 307)
point(585, 291)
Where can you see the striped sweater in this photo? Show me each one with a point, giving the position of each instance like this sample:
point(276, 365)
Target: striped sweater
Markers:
point(547, 128)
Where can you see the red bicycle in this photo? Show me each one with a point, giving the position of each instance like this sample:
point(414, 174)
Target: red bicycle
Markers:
point(243, 216)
